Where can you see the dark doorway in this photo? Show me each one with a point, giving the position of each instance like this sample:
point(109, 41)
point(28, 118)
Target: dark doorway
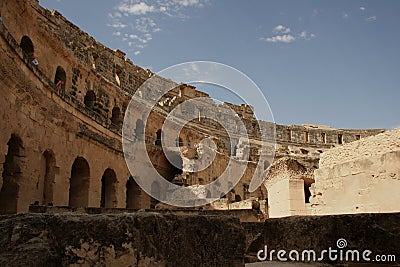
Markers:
point(27, 47)
point(12, 174)
point(108, 189)
point(79, 183)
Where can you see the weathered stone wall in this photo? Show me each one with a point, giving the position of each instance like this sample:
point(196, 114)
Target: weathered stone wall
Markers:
point(378, 233)
point(363, 176)
point(139, 239)
point(152, 239)
point(51, 129)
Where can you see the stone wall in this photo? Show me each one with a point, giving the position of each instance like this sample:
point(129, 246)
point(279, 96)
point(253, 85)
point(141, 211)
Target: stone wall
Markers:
point(139, 239)
point(153, 239)
point(52, 132)
point(363, 176)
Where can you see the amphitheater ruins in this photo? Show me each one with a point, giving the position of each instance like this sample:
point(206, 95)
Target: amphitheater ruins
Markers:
point(63, 99)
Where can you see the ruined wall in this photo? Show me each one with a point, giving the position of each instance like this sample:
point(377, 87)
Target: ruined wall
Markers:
point(50, 135)
point(359, 177)
point(288, 187)
point(140, 239)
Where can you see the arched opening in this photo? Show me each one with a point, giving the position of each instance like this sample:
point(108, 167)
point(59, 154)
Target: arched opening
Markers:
point(108, 189)
point(60, 78)
point(116, 116)
point(158, 138)
point(90, 99)
point(307, 192)
point(79, 183)
point(139, 130)
point(155, 193)
point(12, 174)
point(49, 174)
point(27, 47)
point(133, 194)
point(238, 198)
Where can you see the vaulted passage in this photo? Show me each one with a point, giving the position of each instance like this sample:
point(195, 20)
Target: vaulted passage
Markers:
point(60, 78)
point(11, 176)
point(108, 189)
point(133, 194)
point(90, 99)
point(116, 118)
point(79, 183)
point(48, 170)
point(27, 47)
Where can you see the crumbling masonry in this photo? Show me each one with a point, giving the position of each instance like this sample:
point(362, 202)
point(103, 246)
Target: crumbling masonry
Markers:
point(57, 149)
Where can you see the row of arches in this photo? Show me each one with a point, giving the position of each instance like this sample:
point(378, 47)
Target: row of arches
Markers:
point(60, 79)
point(14, 176)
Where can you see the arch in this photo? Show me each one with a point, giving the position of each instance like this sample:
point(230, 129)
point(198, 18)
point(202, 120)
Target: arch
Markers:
point(307, 192)
point(27, 47)
point(155, 191)
point(60, 76)
point(49, 174)
point(90, 99)
point(158, 138)
point(133, 194)
point(79, 183)
point(108, 189)
point(139, 129)
point(116, 116)
point(12, 173)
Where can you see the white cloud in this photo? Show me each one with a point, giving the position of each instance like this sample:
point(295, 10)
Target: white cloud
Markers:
point(372, 18)
point(306, 36)
point(286, 38)
point(136, 9)
point(118, 25)
point(281, 29)
point(345, 15)
point(136, 21)
point(187, 2)
point(362, 8)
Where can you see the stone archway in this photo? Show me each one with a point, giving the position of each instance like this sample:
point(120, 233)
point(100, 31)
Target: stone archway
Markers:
point(27, 47)
point(133, 194)
point(108, 189)
point(12, 174)
point(60, 76)
point(79, 183)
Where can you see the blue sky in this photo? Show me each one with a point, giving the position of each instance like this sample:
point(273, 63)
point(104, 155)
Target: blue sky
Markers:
point(335, 63)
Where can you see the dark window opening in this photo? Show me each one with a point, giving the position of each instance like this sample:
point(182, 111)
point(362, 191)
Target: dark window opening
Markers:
point(340, 139)
point(28, 48)
point(116, 118)
point(304, 151)
point(79, 183)
point(307, 192)
point(306, 137)
point(323, 138)
point(108, 189)
point(358, 137)
point(60, 78)
point(133, 194)
point(12, 175)
point(90, 99)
